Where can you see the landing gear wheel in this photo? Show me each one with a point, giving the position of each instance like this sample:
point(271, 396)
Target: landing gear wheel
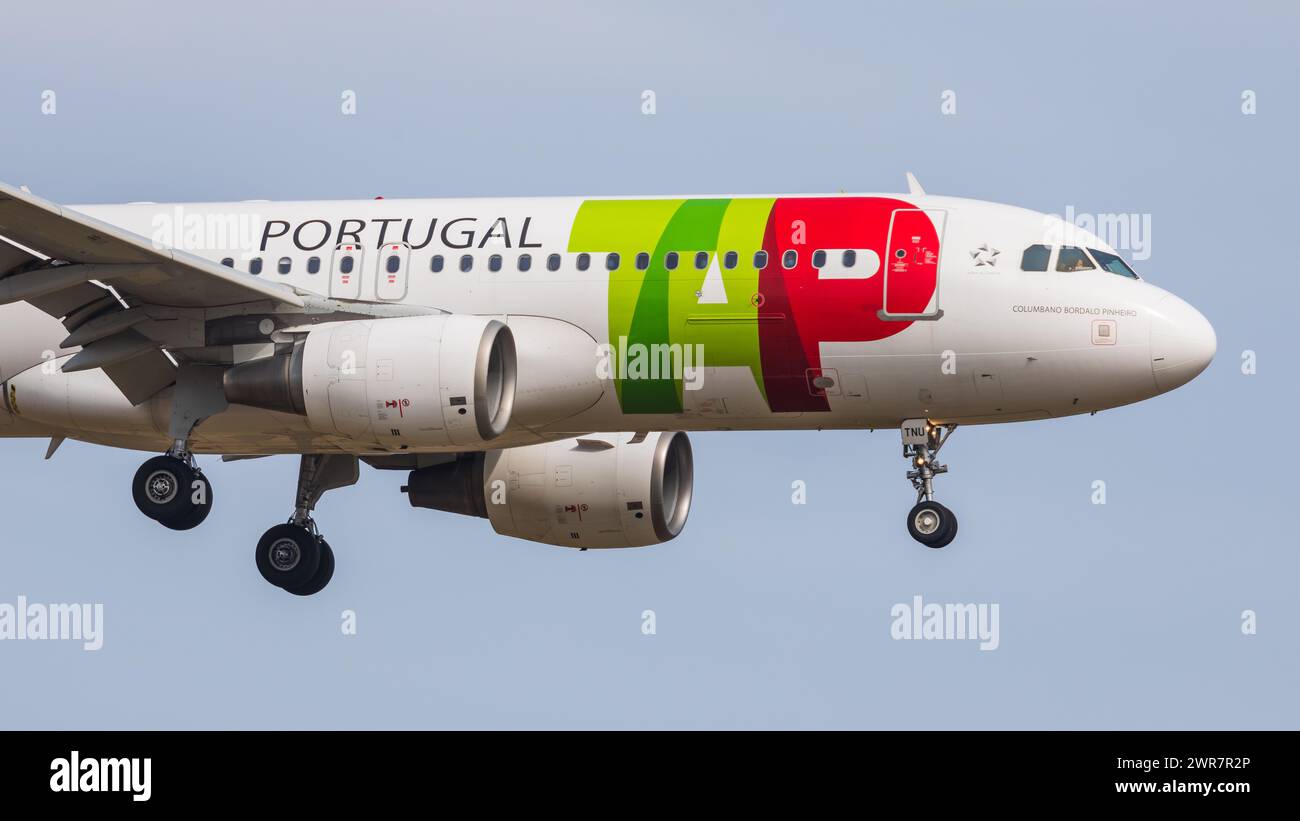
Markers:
point(200, 488)
point(932, 524)
point(929, 522)
point(289, 555)
point(161, 488)
point(323, 573)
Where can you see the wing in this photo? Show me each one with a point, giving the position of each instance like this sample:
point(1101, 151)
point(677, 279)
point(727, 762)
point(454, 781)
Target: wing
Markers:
point(116, 291)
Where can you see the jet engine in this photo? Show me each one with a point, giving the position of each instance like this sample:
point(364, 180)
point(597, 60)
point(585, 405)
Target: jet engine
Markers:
point(399, 382)
point(604, 490)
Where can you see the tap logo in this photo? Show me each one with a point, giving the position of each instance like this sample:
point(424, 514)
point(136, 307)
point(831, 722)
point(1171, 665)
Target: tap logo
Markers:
point(782, 294)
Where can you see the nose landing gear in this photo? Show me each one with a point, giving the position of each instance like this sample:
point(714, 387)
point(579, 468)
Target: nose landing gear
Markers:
point(929, 522)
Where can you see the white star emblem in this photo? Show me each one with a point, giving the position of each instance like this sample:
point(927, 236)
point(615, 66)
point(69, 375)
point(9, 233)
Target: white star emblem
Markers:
point(985, 255)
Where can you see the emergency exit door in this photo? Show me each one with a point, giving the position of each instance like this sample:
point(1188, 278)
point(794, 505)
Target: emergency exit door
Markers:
point(912, 265)
point(346, 271)
point(390, 271)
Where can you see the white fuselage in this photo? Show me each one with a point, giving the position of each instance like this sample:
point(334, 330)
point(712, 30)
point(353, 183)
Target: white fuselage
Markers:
point(987, 342)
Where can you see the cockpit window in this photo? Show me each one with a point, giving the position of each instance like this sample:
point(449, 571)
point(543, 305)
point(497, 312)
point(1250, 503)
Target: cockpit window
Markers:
point(1035, 258)
point(1073, 259)
point(1112, 263)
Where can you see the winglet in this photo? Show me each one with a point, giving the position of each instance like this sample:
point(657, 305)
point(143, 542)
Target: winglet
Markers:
point(913, 187)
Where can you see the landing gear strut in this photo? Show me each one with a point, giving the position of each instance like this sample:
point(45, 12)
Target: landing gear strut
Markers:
point(171, 490)
point(929, 522)
point(294, 556)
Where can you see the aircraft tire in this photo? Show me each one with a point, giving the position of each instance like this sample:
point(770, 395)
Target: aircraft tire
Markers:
point(323, 573)
point(288, 556)
point(932, 524)
point(161, 488)
point(197, 512)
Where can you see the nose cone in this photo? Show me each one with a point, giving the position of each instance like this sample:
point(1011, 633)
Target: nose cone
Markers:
point(1182, 343)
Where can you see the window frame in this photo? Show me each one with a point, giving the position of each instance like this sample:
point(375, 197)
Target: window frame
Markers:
point(1092, 264)
point(1047, 261)
point(1132, 274)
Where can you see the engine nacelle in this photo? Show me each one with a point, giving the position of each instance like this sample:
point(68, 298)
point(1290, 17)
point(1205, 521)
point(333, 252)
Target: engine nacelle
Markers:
point(604, 490)
point(400, 382)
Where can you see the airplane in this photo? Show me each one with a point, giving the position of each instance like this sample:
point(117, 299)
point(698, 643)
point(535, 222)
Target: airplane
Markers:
point(539, 362)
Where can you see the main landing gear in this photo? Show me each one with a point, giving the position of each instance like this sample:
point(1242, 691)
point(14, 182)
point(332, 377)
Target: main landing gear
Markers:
point(171, 490)
point(929, 522)
point(294, 556)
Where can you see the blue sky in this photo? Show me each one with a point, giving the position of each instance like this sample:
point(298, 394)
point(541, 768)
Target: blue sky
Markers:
point(769, 614)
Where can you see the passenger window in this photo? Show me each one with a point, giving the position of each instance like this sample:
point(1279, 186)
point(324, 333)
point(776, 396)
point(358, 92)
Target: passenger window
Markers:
point(392, 263)
point(789, 259)
point(702, 260)
point(611, 262)
point(313, 265)
point(494, 263)
point(467, 263)
point(345, 264)
point(642, 261)
point(1073, 259)
point(229, 262)
point(435, 264)
point(1112, 263)
point(525, 262)
point(584, 261)
point(849, 259)
point(1035, 258)
point(285, 265)
point(255, 266)
point(670, 260)
point(760, 260)
point(729, 261)
point(553, 262)
point(819, 259)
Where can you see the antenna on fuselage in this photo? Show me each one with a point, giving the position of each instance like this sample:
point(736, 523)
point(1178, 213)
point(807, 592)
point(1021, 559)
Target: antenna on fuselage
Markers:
point(913, 187)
